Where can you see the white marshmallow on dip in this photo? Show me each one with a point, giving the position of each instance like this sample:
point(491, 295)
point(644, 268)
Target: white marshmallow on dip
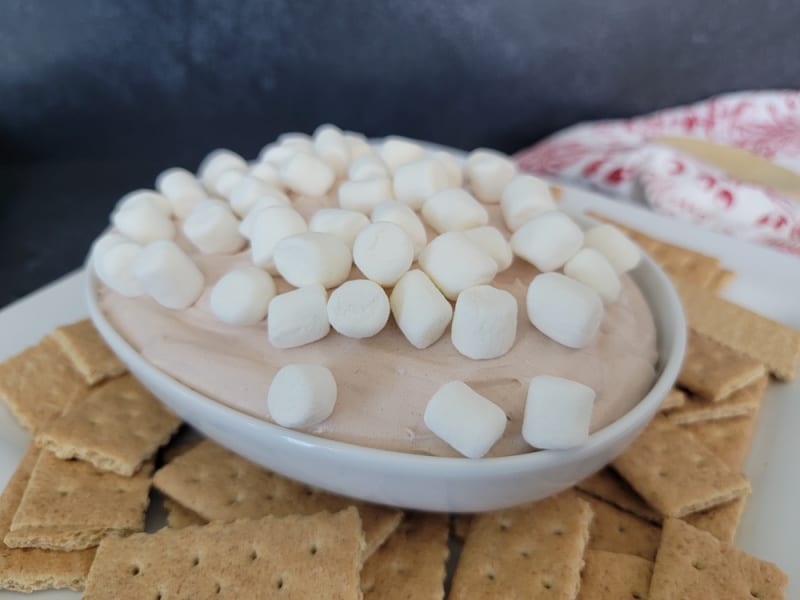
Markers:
point(313, 258)
point(242, 296)
point(468, 422)
point(454, 209)
point(383, 252)
point(547, 241)
point(298, 317)
point(484, 322)
point(420, 310)
point(358, 308)
point(558, 413)
point(454, 263)
point(301, 396)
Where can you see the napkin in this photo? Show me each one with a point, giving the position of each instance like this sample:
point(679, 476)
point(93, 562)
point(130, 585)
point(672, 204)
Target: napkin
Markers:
point(730, 163)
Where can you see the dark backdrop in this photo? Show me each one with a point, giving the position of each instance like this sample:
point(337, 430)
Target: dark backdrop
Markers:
point(97, 96)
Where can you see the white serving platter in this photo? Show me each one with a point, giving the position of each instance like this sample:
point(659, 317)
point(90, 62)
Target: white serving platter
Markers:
point(766, 281)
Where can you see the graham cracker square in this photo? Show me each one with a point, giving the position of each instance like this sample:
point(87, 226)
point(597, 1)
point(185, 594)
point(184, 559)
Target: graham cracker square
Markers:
point(614, 530)
point(69, 505)
point(317, 556)
point(694, 565)
point(610, 576)
point(675, 473)
point(411, 564)
point(30, 570)
point(117, 427)
point(607, 485)
point(764, 340)
point(712, 371)
point(38, 383)
point(721, 521)
point(745, 401)
point(533, 551)
point(90, 355)
point(219, 485)
point(727, 438)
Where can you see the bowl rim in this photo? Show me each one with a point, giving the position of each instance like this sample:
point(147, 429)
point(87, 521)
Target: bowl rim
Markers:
point(422, 463)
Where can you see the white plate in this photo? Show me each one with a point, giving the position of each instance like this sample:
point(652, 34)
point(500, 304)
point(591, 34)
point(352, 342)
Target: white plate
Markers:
point(767, 281)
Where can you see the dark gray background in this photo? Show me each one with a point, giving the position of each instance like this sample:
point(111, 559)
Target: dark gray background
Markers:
point(97, 96)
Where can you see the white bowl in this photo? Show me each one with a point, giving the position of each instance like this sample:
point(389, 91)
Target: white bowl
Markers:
point(409, 480)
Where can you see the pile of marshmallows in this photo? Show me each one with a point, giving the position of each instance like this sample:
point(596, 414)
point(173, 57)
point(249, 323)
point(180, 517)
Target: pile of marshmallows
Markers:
point(231, 204)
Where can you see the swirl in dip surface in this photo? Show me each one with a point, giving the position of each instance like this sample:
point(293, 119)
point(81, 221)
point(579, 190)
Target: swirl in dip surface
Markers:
point(384, 383)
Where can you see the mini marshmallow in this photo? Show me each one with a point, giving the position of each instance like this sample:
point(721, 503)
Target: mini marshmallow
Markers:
point(181, 188)
point(564, 310)
point(301, 396)
point(368, 166)
point(492, 242)
point(547, 241)
point(364, 195)
point(345, 224)
point(415, 181)
point(227, 181)
point(396, 151)
point(592, 268)
point(267, 173)
point(138, 197)
point(421, 311)
point(242, 296)
point(168, 275)
point(558, 413)
point(248, 190)
point(213, 229)
point(298, 317)
point(114, 265)
point(465, 420)
point(401, 215)
point(454, 210)
point(313, 258)
point(104, 242)
point(277, 154)
point(217, 162)
point(488, 174)
point(299, 142)
point(618, 248)
point(455, 174)
point(269, 226)
point(143, 222)
point(383, 252)
point(524, 198)
point(331, 146)
point(358, 308)
point(307, 175)
point(484, 322)
point(358, 144)
point(454, 263)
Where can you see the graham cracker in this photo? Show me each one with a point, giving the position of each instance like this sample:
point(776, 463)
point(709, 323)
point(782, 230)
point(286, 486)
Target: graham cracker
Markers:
point(675, 399)
point(179, 516)
point(721, 280)
point(614, 530)
point(29, 570)
point(38, 383)
point(712, 371)
point(219, 485)
point(69, 505)
point(411, 564)
point(117, 427)
point(610, 576)
point(721, 521)
point(694, 565)
point(743, 402)
point(291, 557)
point(764, 340)
point(727, 438)
point(532, 551)
point(675, 473)
point(90, 355)
point(607, 485)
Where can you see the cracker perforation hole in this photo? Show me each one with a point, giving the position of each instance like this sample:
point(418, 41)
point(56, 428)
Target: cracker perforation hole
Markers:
point(279, 583)
point(135, 570)
point(313, 550)
point(663, 473)
point(217, 587)
point(621, 529)
point(698, 565)
point(547, 585)
point(253, 554)
point(637, 596)
point(505, 524)
point(525, 553)
point(558, 531)
point(755, 594)
point(195, 561)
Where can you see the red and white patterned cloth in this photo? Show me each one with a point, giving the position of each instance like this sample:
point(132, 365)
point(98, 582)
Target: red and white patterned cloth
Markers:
point(620, 158)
